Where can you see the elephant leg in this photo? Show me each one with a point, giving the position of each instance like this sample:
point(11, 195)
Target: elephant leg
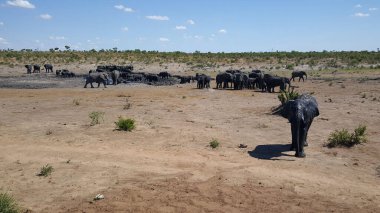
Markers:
point(105, 84)
point(92, 86)
point(307, 131)
point(303, 80)
point(85, 86)
point(294, 137)
point(302, 135)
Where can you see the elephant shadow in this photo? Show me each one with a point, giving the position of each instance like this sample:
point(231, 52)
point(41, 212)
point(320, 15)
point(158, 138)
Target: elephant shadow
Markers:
point(270, 151)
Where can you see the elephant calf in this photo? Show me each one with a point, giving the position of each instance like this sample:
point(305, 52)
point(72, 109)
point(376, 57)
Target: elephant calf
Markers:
point(97, 78)
point(300, 113)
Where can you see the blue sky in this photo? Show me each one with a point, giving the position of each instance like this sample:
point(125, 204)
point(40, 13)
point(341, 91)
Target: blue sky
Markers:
point(190, 25)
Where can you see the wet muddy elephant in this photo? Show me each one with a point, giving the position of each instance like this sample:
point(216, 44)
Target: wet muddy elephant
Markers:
point(300, 113)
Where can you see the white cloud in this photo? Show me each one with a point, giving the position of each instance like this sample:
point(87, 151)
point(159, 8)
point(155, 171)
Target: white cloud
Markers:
point(3, 41)
point(223, 31)
point(164, 39)
point(57, 37)
point(158, 18)
point(358, 6)
point(21, 3)
point(190, 22)
point(361, 14)
point(180, 27)
point(198, 37)
point(1, 23)
point(46, 16)
point(373, 9)
point(124, 8)
point(125, 29)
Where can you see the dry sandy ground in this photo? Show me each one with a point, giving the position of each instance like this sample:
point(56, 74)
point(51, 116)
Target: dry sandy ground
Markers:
point(166, 165)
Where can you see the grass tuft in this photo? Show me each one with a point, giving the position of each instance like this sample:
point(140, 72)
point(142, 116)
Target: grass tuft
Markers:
point(46, 170)
point(76, 102)
point(214, 143)
point(342, 138)
point(96, 117)
point(125, 124)
point(8, 204)
point(286, 96)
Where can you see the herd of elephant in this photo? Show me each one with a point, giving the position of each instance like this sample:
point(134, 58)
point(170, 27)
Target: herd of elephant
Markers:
point(124, 74)
point(48, 69)
point(238, 80)
point(37, 68)
point(300, 112)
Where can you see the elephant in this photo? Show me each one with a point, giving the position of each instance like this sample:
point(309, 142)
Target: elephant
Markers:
point(48, 68)
point(97, 78)
point(115, 76)
point(300, 114)
point(64, 73)
point(274, 81)
point(238, 81)
point(28, 69)
point(251, 83)
point(151, 77)
point(36, 68)
point(260, 83)
point(203, 81)
point(185, 79)
point(223, 79)
point(298, 74)
point(164, 75)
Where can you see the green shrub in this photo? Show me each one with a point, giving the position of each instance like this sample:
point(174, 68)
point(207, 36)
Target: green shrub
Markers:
point(286, 96)
point(8, 204)
point(346, 139)
point(46, 170)
point(96, 117)
point(125, 124)
point(76, 102)
point(214, 143)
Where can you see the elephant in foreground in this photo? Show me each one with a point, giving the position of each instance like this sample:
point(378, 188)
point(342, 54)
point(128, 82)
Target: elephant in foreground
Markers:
point(97, 78)
point(298, 74)
point(300, 113)
point(48, 68)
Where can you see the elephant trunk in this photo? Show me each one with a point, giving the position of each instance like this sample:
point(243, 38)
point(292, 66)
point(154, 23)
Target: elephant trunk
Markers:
point(306, 75)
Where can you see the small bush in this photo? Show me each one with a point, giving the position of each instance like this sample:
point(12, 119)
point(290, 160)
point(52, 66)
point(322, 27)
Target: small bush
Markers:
point(8, 204)
point(125, 124)
point(96, 117)
point(76, 102)
point(46, 170)
point(346, 139)
point(214, 143)
point(127, 105)
point(49, 132)
point(286, 96)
